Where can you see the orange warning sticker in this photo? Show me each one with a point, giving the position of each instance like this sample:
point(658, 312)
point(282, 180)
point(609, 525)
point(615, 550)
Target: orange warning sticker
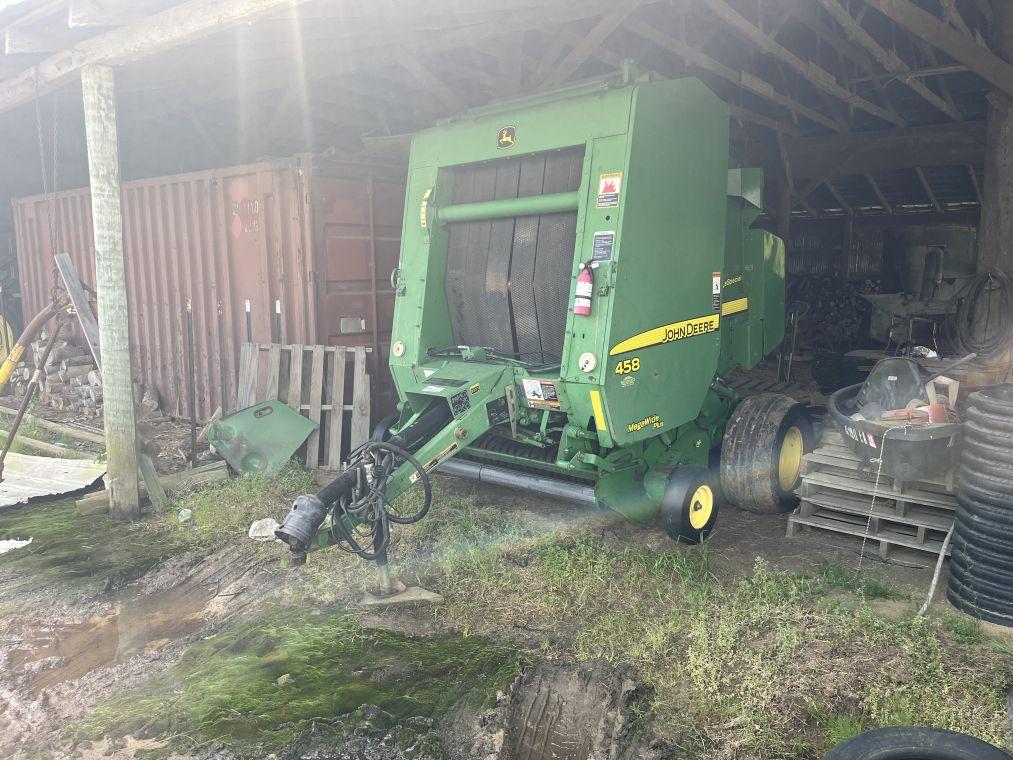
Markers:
point(609, 189)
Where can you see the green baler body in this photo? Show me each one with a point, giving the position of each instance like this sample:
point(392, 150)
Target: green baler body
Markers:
point(672, 246)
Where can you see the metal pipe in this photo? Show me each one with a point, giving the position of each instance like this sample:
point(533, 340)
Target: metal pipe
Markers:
point(536, 484)
point(191, 382)
point(33, 386)
point(529, 205)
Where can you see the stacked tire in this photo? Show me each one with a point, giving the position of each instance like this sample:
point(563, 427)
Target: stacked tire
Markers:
point(981, 560)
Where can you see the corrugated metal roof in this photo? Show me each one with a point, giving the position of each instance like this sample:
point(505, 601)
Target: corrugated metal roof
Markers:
point(28, 477)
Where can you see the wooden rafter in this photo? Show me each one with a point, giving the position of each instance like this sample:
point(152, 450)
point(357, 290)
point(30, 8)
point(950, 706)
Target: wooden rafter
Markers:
point(938, 33)
point(431, 82)
point(928, 189)
point(809, 70)
point(973, 176)
point(879, 193)
point(180, 24)
point(808, 15)
point(839, 198)
point(615, 60)
point(92, 13)
point(953, 17)
point(888, 58)
point(585, 48)
point(41, 38)
point(743, 79)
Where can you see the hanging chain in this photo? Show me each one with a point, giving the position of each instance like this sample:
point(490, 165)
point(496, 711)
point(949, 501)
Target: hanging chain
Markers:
point(54, 228)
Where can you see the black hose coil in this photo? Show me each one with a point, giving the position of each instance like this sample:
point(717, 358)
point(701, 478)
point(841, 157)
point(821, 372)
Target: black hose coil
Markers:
point(982, 552)
point(984, 319)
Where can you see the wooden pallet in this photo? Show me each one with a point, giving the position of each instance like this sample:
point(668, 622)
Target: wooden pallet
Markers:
point(318, 382)
point(836, 496)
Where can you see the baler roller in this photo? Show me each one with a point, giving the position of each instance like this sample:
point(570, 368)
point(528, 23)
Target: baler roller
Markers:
point(529, 205)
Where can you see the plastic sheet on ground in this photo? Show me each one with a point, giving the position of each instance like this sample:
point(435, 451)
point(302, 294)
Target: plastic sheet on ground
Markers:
point(29, 477)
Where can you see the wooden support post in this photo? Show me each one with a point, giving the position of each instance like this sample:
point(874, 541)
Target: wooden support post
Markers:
point(995, 241)
point(98, 90)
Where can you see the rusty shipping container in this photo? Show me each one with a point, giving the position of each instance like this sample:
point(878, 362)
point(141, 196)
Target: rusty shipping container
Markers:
point(317, 235)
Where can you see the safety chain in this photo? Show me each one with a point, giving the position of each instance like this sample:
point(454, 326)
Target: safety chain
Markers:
point(872, 504)
point(54, 228)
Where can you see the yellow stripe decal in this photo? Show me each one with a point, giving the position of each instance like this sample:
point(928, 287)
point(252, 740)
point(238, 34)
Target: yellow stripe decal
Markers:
point(734, 307)
point(668, 333)
point(599, 411)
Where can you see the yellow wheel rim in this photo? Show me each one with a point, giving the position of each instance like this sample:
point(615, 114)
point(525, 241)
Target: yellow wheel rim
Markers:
point(789, 461)
point(701, 507)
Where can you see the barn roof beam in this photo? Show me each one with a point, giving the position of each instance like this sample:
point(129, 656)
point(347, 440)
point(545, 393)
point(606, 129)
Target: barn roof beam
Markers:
point(879, 193)
point(809, 70)
point(41, 38)
point(175, 26)
point(839, 198)
point(888, 58)
point(743, 79)
point(928, 189)
point(938, 33)
point(584, 49)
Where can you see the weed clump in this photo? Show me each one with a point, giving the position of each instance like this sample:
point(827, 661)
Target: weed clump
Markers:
point(752, 666)
point(224, 509)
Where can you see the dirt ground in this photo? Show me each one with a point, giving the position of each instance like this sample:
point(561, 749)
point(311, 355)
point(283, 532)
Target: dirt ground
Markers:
point(563, 633)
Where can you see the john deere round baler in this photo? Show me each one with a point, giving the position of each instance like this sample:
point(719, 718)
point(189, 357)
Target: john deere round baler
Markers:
point(578, 271)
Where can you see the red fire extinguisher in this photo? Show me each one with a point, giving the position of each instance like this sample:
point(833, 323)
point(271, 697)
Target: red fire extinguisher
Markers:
point(585, 287)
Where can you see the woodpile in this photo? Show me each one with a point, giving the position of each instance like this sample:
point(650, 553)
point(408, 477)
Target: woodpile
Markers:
point(70, 381)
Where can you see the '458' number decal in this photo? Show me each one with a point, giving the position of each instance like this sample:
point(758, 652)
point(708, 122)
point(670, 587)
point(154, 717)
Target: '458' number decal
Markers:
point(627, 366)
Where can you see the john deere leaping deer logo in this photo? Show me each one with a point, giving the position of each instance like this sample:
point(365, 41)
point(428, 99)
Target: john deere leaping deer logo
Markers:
point(507, 137)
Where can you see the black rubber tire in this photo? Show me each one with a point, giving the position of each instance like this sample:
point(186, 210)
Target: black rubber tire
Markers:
point(678, 507)
point(751, 448)
point(911, 743)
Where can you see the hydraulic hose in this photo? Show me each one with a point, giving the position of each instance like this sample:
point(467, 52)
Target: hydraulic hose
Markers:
point(358, 501)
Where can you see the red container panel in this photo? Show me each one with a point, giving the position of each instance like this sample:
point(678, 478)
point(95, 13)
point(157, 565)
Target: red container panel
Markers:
point(296, 232)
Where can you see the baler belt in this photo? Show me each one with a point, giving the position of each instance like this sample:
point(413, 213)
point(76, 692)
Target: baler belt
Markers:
point(508, 280)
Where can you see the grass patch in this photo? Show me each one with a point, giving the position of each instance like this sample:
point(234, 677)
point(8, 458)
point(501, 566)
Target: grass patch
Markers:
point(257, 688)
point(863, 583)
point(96, 551)
point(32, 427)
point(754, 666)
point(224, 509)
point(74, 550)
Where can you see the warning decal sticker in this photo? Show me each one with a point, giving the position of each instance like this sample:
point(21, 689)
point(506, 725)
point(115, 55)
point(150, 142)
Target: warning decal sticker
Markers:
point(604, 242)
point(609, 189)
point(541, 393)
point(435, 461)
point(716, 293)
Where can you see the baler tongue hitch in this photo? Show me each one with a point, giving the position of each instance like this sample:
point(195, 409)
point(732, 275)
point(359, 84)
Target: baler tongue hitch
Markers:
point(361, 513)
